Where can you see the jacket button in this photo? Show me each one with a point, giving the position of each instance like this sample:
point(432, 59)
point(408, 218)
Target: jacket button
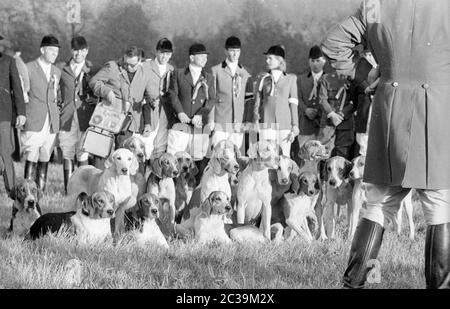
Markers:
point(425, 86)
point(395, 84)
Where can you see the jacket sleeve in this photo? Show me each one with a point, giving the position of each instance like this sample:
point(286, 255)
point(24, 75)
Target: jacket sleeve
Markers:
point(16, 88)
point(323, 96)
point(173, 94)
point(301, 103)
point(339, 43)
point(293, 101)
point(350, 108)
point(98, 82)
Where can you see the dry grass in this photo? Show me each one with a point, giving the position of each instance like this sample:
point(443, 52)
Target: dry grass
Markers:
point(41, 264)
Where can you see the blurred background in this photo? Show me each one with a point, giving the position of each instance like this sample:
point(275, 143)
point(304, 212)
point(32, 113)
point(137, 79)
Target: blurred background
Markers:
point(111, 25)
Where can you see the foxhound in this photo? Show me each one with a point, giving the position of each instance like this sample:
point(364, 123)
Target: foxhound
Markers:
point(90, 222)
point(26, 208)
point(141, 221)
point(298, 211)
point(116, 178)
point(161, 184)
point(185, 183)
point(209, 224)
point(254, 191)
point(337, 192)
point(215, 178)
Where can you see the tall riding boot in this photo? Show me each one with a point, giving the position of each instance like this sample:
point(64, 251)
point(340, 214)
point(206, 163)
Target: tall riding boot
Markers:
point(68, 170)
point(365, 246)
point(201, 165)
point(437, 256)
point(41, 177)
point(30, 170)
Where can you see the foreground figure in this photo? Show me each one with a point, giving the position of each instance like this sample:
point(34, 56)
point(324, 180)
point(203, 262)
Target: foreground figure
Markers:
point(409, 117)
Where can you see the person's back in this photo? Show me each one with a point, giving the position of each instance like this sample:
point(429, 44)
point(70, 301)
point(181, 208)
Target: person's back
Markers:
point(410, 41)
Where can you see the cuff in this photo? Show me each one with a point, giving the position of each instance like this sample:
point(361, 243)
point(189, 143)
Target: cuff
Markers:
point(293, 101)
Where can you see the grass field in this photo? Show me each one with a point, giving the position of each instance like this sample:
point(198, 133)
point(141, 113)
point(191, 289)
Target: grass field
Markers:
point(41, 264)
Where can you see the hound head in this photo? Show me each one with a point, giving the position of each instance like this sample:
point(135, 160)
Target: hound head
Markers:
point(186, 164)
point(165, 166)
point(123, 162)
point(99, 205)
point(217, 203)
point(357, 171)
point(136, 146)
point(309, 184)
point(26, 195)
point(288, 171)
point(314, 150)
point(224, 158)
point(148, 207)
point(336, 170)
point(266, 153)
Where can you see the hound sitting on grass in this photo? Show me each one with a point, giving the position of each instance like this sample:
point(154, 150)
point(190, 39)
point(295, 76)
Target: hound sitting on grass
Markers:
point(90, 222)
point(26, 208)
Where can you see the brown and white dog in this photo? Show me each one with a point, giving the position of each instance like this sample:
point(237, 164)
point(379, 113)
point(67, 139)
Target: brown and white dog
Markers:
point(185, 183)
point(254, 191)
point(90, 222)
point(116, 178)
point(161, 183)
point(26, 210)
point(209, 224)
point(360, 199)
point(215, 178)
point(141, 221)
point(337, 192)
point(311, 153)
point(298, 210)
point(137, 147)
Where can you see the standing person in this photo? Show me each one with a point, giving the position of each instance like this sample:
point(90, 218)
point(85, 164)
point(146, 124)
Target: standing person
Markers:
point(122, 84)
point(309, 112)
point(39, 133)
point(337, 122)
point(158, 109)
point(276, 103)
point(407, 147)
point(192, 96)
point(77, 106)
point(230, 80)
point(12, 114)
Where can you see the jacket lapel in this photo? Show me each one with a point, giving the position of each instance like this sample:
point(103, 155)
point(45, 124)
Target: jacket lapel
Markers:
point(155, 68)
point(188, 77)
point(41, 71)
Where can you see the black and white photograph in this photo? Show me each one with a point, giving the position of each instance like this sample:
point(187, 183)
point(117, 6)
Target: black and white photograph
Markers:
point(225, 150)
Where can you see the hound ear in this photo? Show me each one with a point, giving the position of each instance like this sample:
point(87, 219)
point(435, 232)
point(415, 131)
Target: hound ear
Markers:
point(207, 205)
point(317, 184)
point(193, 170)
point(323, 169)
point(110, 161)
point(13, 193)
point(134, 165)
point(294, 176)
point(156, 167)
point(215, 164)
point(347, 169)
point(82, 201)
point(140, 209)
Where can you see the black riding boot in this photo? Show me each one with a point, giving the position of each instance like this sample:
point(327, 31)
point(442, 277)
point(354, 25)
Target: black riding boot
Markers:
point(30, 170)
point(365, 247)
point(41, 175)
point(83, 163)
point(437, 256)
point(68, 170)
